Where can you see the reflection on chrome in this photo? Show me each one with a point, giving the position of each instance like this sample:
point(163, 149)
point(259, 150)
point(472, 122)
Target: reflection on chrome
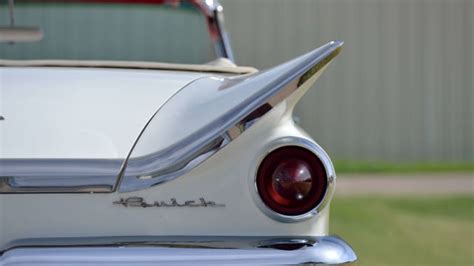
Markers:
point(330, 175)
point(327, 250)
point(242, 100)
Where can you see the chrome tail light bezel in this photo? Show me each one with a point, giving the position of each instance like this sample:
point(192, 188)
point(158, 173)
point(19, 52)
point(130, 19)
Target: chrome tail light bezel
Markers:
point(311, 146)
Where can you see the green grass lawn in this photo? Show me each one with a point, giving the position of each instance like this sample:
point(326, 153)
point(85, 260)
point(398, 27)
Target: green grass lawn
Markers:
point(409, 231)
point(388, 167)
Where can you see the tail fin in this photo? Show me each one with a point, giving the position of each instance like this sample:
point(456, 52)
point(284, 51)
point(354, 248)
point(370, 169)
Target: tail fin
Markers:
point(212, 111)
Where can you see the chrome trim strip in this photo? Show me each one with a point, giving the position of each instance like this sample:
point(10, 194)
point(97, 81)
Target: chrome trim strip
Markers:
point(198, 250)
point(314, 148)
point(58, 175)
point(276, 85)
point(214, 12)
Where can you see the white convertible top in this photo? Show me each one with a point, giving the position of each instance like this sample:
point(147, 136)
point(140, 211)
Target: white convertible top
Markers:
point(220, 65)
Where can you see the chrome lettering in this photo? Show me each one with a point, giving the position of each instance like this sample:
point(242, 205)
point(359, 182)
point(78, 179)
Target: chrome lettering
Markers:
point(140, 202)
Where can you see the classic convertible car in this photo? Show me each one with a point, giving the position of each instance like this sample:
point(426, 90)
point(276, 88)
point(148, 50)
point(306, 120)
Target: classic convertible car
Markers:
point(108, 157)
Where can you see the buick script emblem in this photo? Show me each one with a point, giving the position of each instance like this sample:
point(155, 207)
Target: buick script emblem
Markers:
point(141, 203)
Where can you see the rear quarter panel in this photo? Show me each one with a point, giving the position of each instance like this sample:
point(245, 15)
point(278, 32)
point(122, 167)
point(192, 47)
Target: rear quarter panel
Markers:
point(226, 178)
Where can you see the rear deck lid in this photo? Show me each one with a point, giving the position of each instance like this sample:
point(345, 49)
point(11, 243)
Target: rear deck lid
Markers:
point(79, 113)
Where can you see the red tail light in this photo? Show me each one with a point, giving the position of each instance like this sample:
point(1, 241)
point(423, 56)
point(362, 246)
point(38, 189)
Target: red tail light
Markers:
point(292, 180)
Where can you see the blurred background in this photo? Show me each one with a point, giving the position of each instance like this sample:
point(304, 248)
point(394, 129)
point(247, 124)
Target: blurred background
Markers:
point(401, 90)
point(395, 110)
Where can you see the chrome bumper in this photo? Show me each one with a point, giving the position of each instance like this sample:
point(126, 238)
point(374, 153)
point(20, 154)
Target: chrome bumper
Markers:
point(324, 250)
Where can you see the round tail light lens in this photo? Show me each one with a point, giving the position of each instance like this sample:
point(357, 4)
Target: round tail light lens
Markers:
point(292, 180)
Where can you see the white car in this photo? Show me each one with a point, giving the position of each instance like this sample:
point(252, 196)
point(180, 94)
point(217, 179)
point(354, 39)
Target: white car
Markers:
point(124, 161)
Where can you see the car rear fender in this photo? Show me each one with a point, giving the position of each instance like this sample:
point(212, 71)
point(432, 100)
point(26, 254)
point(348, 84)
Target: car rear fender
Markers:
point(211, 112)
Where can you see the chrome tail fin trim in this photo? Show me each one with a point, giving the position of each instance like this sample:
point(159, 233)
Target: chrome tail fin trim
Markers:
point(236, 104)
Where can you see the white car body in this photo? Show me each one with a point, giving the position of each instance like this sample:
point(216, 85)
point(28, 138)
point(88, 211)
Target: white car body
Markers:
point(55, 114)
point(68, 112)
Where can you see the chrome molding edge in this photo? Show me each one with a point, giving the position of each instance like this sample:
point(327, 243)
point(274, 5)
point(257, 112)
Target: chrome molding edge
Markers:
point(269, 88)
point(182, 250)
point(214, 12)
point(58, 175)
point(316, 150)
